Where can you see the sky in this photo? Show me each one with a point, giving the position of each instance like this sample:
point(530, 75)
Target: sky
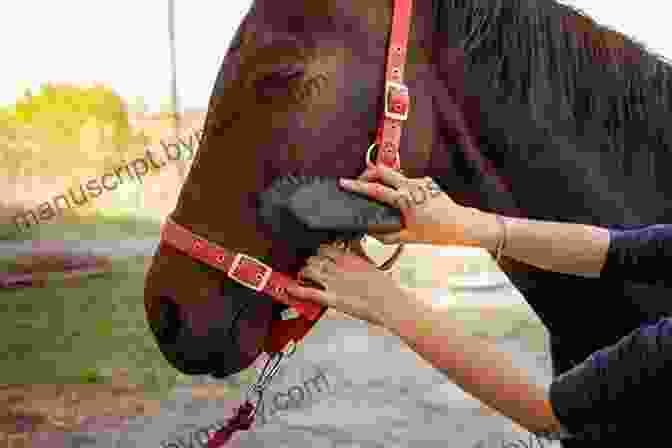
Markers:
point(124, 43)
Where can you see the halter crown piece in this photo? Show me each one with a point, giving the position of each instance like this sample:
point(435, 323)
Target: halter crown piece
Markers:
point(253, 274)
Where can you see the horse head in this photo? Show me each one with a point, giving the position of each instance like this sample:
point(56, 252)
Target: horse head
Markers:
point(300, 91)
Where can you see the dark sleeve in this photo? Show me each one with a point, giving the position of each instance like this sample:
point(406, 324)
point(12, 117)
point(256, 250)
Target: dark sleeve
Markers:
point(618, 388)
point(639, 255)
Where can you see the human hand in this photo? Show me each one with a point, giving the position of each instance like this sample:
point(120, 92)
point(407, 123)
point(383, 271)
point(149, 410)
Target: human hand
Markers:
point(430, 216)
point(352, 285)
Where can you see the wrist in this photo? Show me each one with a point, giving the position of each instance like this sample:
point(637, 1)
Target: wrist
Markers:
point(486, 230)
point(403, 310)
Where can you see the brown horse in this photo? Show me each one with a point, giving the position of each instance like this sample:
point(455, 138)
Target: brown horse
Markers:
point(522, 107)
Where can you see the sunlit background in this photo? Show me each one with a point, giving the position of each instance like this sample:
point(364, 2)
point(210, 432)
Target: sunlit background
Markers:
point(124, 44)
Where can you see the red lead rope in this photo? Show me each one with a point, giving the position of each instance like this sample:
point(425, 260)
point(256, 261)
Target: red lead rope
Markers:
point(239, 422)
point(244, 416)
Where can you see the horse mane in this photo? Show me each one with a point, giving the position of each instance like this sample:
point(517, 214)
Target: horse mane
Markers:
point(539, 53)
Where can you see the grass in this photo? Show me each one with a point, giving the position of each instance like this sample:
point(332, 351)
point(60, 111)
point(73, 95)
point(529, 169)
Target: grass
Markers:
point(8, 265)
point(98, 226)
point(81, 332)
point(67, 334)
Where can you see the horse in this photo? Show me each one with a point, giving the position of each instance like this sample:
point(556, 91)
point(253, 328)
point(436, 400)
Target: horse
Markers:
point(521, 107)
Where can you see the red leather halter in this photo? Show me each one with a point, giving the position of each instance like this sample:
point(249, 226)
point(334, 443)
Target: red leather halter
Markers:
point(252, 273)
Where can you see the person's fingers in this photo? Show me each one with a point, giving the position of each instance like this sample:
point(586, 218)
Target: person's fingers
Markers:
point(418, 194)
point(371, 173)
point(389, 238)
point(403, 200)
point(330, 252)
point(313, 261)
point(390, 176)
point(358, 249)
point(306, 293)
point(372, 189)
point(325, 265)
point(387, 175)
point(314, 273)
point(369, 176)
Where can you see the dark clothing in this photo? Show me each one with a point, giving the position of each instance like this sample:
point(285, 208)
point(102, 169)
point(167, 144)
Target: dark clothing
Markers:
point(640, 255)
point(618, 388)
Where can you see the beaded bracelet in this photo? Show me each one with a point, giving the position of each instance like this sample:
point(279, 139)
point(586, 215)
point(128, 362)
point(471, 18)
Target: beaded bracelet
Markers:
point(502, 240)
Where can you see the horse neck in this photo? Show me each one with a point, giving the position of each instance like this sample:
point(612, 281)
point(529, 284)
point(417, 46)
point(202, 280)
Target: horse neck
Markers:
point(584, 121)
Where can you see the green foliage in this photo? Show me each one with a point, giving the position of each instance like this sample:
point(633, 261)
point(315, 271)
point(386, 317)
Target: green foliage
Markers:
point(64, 130)
point(90, 375)
point(64, 109)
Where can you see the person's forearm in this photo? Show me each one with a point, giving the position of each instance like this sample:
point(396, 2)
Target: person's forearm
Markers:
point(554, 246)
point(472, 363)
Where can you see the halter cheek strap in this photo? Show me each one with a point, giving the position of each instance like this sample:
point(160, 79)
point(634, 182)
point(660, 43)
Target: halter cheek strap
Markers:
point(397, 98)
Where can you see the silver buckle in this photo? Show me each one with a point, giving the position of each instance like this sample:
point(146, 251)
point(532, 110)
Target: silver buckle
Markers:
point(236, 263)
point(388, 87)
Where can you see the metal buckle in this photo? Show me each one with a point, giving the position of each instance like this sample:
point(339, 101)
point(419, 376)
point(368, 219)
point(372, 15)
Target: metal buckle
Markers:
point(236, 263)
point(404, 91)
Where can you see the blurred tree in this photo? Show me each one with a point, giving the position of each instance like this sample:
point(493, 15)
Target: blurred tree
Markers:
point(48, 127)
point(63, 109)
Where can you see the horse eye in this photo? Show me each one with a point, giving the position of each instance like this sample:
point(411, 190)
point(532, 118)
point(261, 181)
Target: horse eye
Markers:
point(280, 78)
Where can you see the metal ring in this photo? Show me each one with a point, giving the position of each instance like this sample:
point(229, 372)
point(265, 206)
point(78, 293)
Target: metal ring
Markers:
point(368, 154)
point(264, 378)
point(389, 264)
point(290, 348)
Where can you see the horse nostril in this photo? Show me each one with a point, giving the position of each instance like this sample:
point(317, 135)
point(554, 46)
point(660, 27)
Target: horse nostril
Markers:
point(168, 323)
